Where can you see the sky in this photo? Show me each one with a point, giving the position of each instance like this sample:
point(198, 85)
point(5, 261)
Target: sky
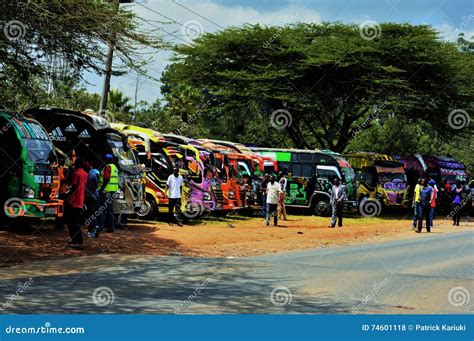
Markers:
point(180, 21)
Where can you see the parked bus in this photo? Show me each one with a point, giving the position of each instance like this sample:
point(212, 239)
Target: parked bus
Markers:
point(159, 155)
point(29, 177)
point(348, 173)
point(252, 167)
point(310, 176)
point(379, 177)
point(439, 169)
point(91, 137)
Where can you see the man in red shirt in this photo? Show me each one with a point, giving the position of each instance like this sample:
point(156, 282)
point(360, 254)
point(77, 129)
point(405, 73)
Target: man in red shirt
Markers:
point(74, 204)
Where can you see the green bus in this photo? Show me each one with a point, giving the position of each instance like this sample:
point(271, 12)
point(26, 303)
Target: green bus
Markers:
point(310, 175)
point(29, 174)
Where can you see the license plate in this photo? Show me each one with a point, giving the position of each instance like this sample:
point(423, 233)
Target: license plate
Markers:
point(50, 211)
point(41, 179)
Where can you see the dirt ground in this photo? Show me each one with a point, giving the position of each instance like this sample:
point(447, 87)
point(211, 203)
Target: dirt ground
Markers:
point(212, 237)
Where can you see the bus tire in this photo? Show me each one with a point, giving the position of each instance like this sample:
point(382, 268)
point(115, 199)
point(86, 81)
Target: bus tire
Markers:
point(153, 211)
point(322, 206)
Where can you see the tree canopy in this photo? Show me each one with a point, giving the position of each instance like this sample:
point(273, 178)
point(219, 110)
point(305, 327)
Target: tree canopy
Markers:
point(325, 83)
point(36, 34)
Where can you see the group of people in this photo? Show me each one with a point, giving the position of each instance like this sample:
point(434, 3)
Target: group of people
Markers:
point(274, 195)
point(273, 198)
point(90, 191)
point(424, 202)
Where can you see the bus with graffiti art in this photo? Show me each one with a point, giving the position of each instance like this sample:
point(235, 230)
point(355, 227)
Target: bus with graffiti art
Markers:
point(381, 181)
point(310, 175)
point(29, 173)
point(90, 137)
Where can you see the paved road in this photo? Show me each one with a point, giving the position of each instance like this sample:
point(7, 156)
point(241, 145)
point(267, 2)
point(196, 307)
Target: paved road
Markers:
point(409, 276)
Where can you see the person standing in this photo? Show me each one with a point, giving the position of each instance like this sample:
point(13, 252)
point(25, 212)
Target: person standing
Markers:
point(273, 196)
point(75, 203)
point(424, 207)
point(432, 184)
point(338, 195)
point(108, 187)
point(457, 196)
point(174, 184)
point(416, 203)
point(92, 200)
point(263, 188)
point(281, 206)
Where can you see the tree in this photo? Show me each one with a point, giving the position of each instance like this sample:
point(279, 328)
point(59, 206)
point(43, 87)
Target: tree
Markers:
point(320, 82)
point(77, 32)
point(118, 102)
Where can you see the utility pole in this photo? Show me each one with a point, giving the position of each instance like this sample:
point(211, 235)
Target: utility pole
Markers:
point(136, 98)
point(108, 63)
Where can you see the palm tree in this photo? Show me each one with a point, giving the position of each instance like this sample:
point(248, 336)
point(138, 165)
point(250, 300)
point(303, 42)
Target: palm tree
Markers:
point(118, 102)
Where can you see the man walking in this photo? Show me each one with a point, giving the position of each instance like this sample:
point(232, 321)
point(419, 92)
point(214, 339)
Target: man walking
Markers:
point(338, 195)
point(281, 206)
point(174, 184)
point(273, 192)
point(108, 187)
point(92, 200)
point(424, 207)
point(263, 188)
point(74, 204)
point(432, 184)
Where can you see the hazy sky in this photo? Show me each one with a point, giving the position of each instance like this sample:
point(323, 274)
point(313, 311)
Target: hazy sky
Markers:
point(184, 19)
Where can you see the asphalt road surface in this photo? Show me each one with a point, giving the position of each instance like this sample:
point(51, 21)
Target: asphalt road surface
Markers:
point(425, 274)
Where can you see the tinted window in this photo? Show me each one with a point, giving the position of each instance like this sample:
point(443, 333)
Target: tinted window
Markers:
point(306, 157)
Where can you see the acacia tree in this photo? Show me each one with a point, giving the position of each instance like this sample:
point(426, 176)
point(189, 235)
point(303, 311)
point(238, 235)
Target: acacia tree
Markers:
point(77, 32)
point(328, 76)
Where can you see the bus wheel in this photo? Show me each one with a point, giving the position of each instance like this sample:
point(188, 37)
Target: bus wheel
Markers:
point(153, 210)
point(145, 209)
point(322, 207)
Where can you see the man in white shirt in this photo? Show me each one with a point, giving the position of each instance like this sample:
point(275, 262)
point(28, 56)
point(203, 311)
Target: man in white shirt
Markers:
point(273, 197)
point(281, 205)
point(174, 184)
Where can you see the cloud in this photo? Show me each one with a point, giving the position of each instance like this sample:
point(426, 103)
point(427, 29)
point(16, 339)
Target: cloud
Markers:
point(208, 16)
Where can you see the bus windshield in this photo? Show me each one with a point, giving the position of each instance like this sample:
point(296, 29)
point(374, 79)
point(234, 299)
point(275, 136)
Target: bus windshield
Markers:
point(126, 158)
point(40, 151)
point(390, 177)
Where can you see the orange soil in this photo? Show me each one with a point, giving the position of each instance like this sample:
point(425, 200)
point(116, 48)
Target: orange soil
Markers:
point(224, 237)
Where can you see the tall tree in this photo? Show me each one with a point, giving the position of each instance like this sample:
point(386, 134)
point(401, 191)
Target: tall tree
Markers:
point(319, 84)
point(76, 32)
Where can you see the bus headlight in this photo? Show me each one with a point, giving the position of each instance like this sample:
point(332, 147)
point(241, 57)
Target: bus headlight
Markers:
point(120, 195)
point(28, 192)
point(207, 196)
